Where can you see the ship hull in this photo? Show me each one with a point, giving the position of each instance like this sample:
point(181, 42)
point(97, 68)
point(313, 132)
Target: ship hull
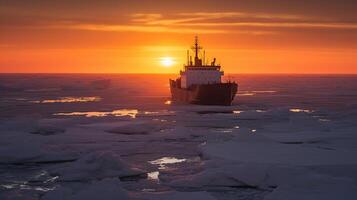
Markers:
point(207, 94)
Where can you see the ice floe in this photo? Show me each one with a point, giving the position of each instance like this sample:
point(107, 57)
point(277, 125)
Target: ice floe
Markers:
point(29, 150)
point(98, 165)
point(109, 189)
point(180, 196)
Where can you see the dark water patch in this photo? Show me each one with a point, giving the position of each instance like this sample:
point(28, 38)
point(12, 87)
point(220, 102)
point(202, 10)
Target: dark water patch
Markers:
point(313, 142)
point(101, 84)
point(196, 136)
point(212, 126)
point(121, 132)
point(6, 88)
point(214, 112)
point(47, 131)
point(126, 131)
point(326, 148)
point(136, 177)
point(185, 140)
point(245, 187)
point(32, 163)
point(56, 161)
point(292, 142)
point(302, 142)
point(135, 154)
point(127, 141)
point(238, 193)
point(249, 119)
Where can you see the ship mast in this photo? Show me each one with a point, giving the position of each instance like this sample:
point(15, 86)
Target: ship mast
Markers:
point(197, 48)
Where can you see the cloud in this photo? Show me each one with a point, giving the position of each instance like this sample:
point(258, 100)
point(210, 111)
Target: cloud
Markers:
point(188, 23)
point(159, 19)
point(143, 17)
point(226, 21)
point(325, 25)
point(156, 29)
point(217, 15)
point(182, 18)
point(136, 28)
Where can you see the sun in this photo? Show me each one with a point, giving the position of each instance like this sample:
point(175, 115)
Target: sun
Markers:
point(167, 61)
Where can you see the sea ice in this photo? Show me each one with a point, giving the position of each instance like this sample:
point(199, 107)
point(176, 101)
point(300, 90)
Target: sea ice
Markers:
point(97, 165)
point(292, 153)
point(109, 189)
point(29, 149)
point(180, 196)
point(137, 128)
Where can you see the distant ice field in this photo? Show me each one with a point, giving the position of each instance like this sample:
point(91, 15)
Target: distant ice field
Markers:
point(111, 136)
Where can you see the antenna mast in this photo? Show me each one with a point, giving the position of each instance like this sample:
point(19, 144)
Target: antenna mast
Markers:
point(196, 48)
point(188, 57)
point(204, 57)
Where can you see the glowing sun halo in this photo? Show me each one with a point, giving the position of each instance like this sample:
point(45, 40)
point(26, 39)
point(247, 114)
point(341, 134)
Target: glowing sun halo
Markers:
point(167, 61)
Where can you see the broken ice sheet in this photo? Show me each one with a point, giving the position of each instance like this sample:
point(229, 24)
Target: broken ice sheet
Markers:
point(108, 189)
point(97, 165)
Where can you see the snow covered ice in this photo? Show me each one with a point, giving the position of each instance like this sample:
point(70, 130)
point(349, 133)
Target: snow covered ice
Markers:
point(284, 138)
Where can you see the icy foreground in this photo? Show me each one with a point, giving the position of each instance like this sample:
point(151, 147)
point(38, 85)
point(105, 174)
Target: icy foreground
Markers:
point(288, 155)
point(253, 150)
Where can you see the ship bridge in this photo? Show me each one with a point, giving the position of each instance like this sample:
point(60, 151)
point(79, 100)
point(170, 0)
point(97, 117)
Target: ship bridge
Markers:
point(198, 71)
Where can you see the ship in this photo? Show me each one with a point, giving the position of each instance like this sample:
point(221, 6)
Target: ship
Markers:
point(201, 83)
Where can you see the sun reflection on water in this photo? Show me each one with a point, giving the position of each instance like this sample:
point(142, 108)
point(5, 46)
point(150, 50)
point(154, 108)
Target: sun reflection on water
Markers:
point(260, 111)
point(264, 91)
point(116, 113)
point(246, 94)
point(153, 175)
point(298, 110)
point(162, 162)
point(70, 100)
point(255, 92)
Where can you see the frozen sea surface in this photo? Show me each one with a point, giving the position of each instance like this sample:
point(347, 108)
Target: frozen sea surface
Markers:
point(120, 137)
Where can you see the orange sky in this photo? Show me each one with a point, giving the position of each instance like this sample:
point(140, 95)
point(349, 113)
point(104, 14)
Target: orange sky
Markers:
point(255, 36)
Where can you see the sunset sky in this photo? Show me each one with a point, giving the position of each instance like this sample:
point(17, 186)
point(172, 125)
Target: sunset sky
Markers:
point(132, 36)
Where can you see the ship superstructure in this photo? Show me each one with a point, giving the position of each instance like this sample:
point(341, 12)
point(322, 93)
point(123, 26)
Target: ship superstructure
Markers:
point(201, 83)
point(198, 72)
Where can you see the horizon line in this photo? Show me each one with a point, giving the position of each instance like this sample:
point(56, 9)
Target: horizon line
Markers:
point(132, 73)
